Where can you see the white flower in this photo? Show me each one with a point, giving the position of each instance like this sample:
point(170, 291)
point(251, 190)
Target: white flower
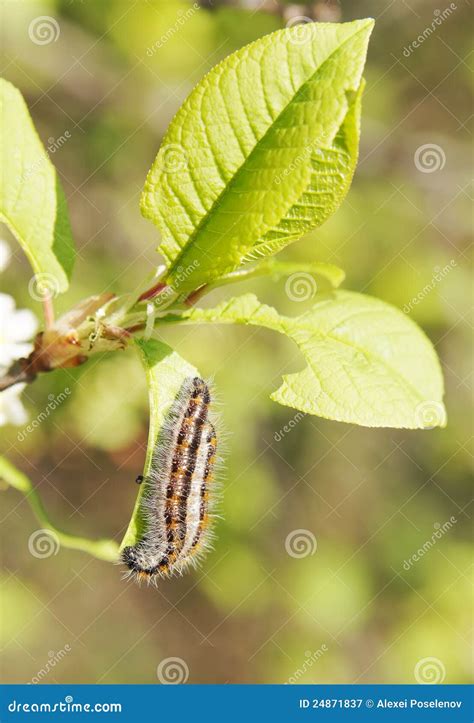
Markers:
point(12, 410)
point(17, 327)
point(5, 254)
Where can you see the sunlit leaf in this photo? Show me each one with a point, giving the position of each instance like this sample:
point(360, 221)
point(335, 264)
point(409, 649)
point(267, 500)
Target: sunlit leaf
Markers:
point(367, 362)
point(32, 202)
point(262, 151)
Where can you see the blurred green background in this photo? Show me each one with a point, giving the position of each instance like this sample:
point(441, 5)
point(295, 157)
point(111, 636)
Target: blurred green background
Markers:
point(371, 498)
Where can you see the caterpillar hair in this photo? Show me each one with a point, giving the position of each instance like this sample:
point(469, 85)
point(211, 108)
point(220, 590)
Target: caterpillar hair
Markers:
point(180, 493)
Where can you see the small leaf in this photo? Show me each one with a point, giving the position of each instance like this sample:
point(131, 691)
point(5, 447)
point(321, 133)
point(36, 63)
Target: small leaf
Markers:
point(262, 151)
point(367, 362)
point(32, 202)
point(165, 373)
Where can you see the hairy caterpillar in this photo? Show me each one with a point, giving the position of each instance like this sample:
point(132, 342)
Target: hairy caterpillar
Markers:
point(179, 496)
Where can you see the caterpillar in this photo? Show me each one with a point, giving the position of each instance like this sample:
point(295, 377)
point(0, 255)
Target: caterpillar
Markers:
point(180, 492)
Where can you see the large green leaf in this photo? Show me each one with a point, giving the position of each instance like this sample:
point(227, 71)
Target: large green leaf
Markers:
point(367, 362)
point(165, 372)
point(32, 202)
point(262, 151)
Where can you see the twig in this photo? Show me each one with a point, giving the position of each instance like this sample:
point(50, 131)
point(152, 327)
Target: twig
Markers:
point(19, 372)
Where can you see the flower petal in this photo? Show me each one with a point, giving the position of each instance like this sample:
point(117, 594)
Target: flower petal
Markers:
point(20, 326)
point(7, 305)
point(12, 410)
point(16, 329)
point(5, 254)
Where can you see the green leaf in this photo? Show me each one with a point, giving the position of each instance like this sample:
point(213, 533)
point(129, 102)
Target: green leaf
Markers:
point(32, 202)
point(367, 362)
point(165, 373)
point(262, 151)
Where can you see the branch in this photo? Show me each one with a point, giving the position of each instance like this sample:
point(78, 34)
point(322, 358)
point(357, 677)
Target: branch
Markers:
point(20, 372)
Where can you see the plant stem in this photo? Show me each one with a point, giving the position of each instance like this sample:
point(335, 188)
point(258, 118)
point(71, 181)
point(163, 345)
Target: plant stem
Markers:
point(48, 312)
point(107, 550)
point(17, 374)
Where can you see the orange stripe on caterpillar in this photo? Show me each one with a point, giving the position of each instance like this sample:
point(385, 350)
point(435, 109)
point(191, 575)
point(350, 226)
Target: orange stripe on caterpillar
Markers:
point(178, 498)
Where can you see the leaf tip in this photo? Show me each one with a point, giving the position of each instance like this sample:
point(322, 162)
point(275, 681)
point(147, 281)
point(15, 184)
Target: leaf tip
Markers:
point(367, 22)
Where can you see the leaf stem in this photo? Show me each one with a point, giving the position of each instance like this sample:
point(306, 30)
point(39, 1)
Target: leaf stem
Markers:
point(48, 311)
point(101, 549)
